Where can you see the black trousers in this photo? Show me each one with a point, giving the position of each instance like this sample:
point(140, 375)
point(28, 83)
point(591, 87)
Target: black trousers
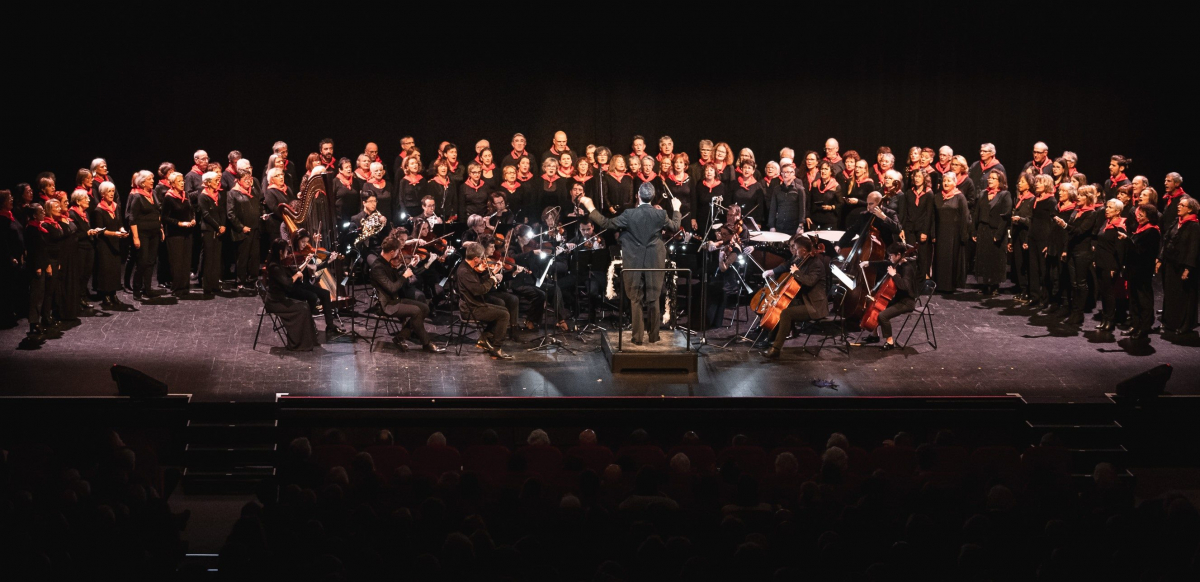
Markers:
point(210, 262)
point(1179, 298)
point(894, 309)
point(796, 312)
point(508, 301)
point(1079, 267)
point(644, 287)
point(414, 312)
point(143, 271)
point(1055, 278)
point(537, 301)
point(495, 316)
point(1141, 304)
point(87, 265)
point(248, 258)
point(179, 259)
point(1037, 273)
point(1106, 284)
point(313, 295)
point(40, 296)
point(1020, 266)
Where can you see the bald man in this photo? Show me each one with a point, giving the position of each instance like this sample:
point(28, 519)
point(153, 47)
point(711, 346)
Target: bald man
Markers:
point(884, 219)
point(833, 157)
point(193, 181)
point(558, 148)
point(372, 152)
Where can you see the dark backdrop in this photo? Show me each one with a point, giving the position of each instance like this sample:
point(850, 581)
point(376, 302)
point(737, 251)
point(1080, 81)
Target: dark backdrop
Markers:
point(138, 95)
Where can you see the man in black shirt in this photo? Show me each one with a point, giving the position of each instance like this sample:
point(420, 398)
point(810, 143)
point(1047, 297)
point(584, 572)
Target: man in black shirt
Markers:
point(811, 303)
point(474, 282)
point(389, 282)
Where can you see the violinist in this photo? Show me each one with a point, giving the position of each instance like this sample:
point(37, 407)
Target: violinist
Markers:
point(498, 208)
point(876, 216)
point(811, 303)
point(530, 259)
point(477, 227)
point(309, 261)
point(585, 239)
point(903, 273)
point(497, 265)
point(474, 283)
point(730, 269)
point(389, 277)
point(418, 259)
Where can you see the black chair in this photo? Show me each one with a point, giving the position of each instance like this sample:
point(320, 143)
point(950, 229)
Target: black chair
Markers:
point(924, 313)
point(374, 312)
point(276, 323)
point(461, 328)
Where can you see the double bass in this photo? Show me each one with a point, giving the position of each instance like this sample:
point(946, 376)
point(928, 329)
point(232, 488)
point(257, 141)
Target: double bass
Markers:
point(867, 247)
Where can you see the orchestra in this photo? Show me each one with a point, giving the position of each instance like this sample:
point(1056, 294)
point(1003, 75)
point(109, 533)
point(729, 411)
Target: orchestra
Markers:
point(517, 250)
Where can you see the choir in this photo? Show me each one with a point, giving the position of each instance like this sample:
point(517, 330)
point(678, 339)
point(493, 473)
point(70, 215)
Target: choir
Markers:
point(1064, 242)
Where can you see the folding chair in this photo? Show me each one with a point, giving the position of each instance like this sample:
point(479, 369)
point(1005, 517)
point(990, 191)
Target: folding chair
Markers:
point(375, 312)
point(276, 323)
point(461, 328)
point(924, 312)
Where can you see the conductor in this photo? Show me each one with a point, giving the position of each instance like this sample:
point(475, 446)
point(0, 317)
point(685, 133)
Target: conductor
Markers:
point(641, 248)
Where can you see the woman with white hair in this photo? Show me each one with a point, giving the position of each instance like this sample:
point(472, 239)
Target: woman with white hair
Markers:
point(106, 274)
point(99, 169)
point(1079, 230)
point(84, 250)
point(274, 199)
point(146, 229)
point(212, 217)
point(1180, 252)
point(1107, 260)
point(179, 226)
point(951, 234)
point(376, 185)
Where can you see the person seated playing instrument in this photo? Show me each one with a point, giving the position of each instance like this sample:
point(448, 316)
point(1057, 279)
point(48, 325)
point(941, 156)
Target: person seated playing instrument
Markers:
point(530, 257)
point(876, 216)
point(370, 248)
point(475, 281)
point(903, 273)
point(585, 240)
point(811, 302)
point(306, 260)
point(729, 275)
point(389, 277)
point(429, 213)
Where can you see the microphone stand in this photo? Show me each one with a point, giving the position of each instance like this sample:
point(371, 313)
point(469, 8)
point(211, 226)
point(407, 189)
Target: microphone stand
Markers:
point(704, 284)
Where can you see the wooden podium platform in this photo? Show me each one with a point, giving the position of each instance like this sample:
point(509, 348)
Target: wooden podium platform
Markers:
point(670, 354)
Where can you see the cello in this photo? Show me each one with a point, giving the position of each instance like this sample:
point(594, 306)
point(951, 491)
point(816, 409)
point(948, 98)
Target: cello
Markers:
point(776, 296)
point(883, 296)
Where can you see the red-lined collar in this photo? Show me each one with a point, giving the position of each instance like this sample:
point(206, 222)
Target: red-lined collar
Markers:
point(679, 182)
point(1118, 178)
point(213, 195)
point(562, 175)
point(991, 191)
point(1023, 197)
point(557, 153)
point(659, 157)
point(453, 166)
point(413, 179)
point(960, 179)
point(767, 180)
point(38, 224)
point(1171, 196)
point(550, 178)
point(327, 162)
point(238, 187)
point(1145, 227)
point(984, 168)
point(835, 159)
point(848, 174)
point(824, 186)
point(643, 178)
point(863, 181)
point(581, 179)
point(347, 182)
point(618, 177)
point(442, 180)
point(517, 155)
point(177, 194)
point(377, 182)
point(81, 214)
point(231, 169)
point(487, 168)
point(1118, 222)
point(196, 170)
point(510, 186)
point(1045, 196)
point(938, 167)
point(1042, 166)
point(950, 194)
point(1069, 206)
point(361, 175)
point(742, 182)
point(878, 171)
point(524, 177)
point(141, 192)
point(109, 207)
point(711, 183)
point(919, 193)
point(474, 187)
point(1186, 219)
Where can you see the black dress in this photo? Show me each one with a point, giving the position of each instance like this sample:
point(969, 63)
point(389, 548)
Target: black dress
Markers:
point(1179, 252)
point(86, 251)
point(751, 199)
point(1141, 254)
point(346, 201)
point(1023, 212)
point(619, 193)
point(705, 194)
point(952, 233)
point(991, 222)
point(145, 217)
point(62, 247)
point(410, 189)
point(1108, 256)
point(515, 194)
point(273, 199)
point(179, 240)
point(858, 191)
point(444, 197)
point(295, 315)
point(918, 216)
point(1041, 230)
point(686, 194)
point(548, 193)
point(473, 199)
point(211, 216)
point(384, 203)
point(820, 195)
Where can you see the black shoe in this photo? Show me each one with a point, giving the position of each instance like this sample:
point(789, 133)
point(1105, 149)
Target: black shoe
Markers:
point(485, 345)
point(772, 353)
point(399, 343)
point(499, 354)
point(83, 303)
point(1050, 308)
point(887, 347)
point(35, 330)
point(433, 349)
point(334, 330)
point(1075, 319)
point(655, 339)
point(871, 339)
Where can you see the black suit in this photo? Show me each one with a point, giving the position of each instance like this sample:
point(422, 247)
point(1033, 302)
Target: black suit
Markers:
point(389, 283)
point(642, 248)
point(810, 303)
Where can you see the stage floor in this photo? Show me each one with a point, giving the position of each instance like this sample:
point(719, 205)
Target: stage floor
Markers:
point(204, 348)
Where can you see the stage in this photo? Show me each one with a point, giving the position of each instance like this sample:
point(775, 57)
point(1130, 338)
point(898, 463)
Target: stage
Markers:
point(203, 348)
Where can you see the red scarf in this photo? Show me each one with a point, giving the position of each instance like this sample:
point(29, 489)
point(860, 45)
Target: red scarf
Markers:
point(744, 184)
point(1146, 227)
point(835, 159)
point(376, 182)
point(1071, 172)
point(618, 177)
point(444, 181)
point(863, 181)
point(7, 214)
point(366, 177)
point(510, 186)
point(348, 182)
point(327, 162)
point(959, 180)
point(940, 169)
point(950, 194)
point(823, 186)
point(38, 225)
point(848, 175)
point(1179, 193)
point(79, 212)
point(581, 179)
point(659, 157)
point(711, 183)
point(487, 168)
point(231, 169)
point(141, 192)
point(991, 192)
point(983, 168)
point(550, 178)
point(1186, 219)
point(644, 178)
point(878, 172)
point(1116, 180)
point(767, 180)
point(239, 188)
point(811, 176)
point(1045, 196)
point(177, 195)
point(1023, 197)
point(1117, 222)
point(557, 153)
point(474, 187)
point(677, 181)
point(920, 193)
point(1069, 206)
point(196, 170)
point(413, 179)
point(164, 183)
point(704, 162)
point(213, 195)
point(517, 155)
point(453, 167)
point(1045, 162)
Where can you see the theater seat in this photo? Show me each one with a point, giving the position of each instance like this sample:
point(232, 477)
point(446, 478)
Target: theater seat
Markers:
point(543, 460)
point(951, 458)
point(329, 456)
point(594, 457)
point(638, 456)
point(702, 457)
point(808, 461)
point(388, 458)
point(749, 459)
point(899, 462)
point(489, 461)
point(432, 461)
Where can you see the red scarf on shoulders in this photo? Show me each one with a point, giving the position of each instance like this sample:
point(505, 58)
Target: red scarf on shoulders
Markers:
point(109, 207)
point(920, 193)
point(196, 170)
point(746, 185)
point(38, 224)
point(643, 177)
point(1069, 206)
point(347, 182)
point(474, 187)
point(413, 179)
point(550, 179)
point(581, 179)
point(517, 155)
point(985, 168)
point(142, 193)
point(79, 211)
point(366, 177)
point(1146, 227)
point(711, 183)
point(1023, 197)
point(377, 182)
point(527, 176)
point(442, 180)
point(618, 177)
point(1118, 178)
point(7, 214)
point(679, 182)
point(213, 195)
point(177, 195)
point(510, 186)
point(1186, 219)
point(950, 194)
point(1118, 222)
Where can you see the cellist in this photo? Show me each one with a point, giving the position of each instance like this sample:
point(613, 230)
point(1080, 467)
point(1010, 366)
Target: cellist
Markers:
point(808, 268)
point(903, 273)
